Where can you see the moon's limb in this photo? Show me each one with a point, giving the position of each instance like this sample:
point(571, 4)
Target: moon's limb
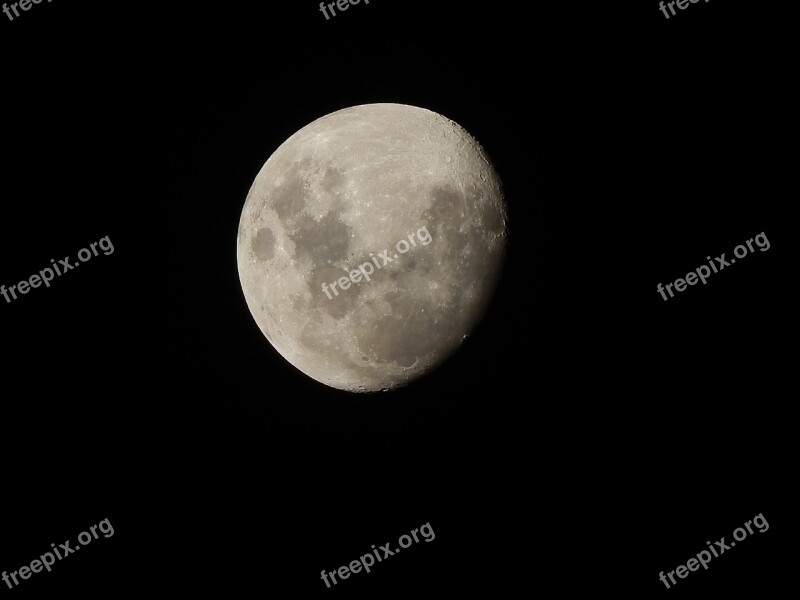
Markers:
point(336, 195)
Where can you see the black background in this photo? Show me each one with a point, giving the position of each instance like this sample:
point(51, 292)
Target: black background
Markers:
point(588, 435)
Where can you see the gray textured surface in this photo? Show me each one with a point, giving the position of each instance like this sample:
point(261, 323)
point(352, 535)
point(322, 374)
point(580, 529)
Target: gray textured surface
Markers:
point(356, 182)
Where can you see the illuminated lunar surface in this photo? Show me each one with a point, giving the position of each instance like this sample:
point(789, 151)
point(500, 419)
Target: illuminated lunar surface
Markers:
point(335, 197)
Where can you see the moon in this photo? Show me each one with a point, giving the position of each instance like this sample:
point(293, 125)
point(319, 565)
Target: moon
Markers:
point(370, 245)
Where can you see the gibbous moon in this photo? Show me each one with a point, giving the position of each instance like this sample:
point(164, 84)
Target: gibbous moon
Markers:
point(370, 244)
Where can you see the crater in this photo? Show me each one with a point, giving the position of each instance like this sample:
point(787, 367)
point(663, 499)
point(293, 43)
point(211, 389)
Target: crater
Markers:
point(324, 241)
point(409, 333)
point(289, 198)
point(332, 181)
point(263, 244)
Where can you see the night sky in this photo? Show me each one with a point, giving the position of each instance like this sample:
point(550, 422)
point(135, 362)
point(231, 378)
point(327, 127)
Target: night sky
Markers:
point(588, 436)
